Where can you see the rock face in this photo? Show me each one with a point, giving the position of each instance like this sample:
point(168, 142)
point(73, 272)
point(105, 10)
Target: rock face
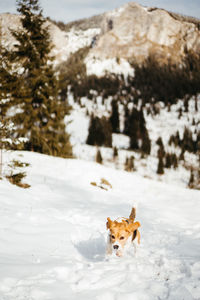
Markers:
point(134, 32)
point(10, 22)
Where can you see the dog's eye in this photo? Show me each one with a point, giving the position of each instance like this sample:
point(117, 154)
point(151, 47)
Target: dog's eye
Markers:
point(113, 237)
point(122, 237)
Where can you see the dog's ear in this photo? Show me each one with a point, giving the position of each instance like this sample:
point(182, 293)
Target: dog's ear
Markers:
point(109, 223)
point(133, 226)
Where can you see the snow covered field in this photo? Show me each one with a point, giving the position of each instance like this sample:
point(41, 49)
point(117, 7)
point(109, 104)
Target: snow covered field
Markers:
point(52, 235)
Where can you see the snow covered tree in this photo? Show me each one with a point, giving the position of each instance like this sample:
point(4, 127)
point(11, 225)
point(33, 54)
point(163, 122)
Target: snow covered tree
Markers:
point(39, 111)
point(7, 139)
point(8, 81)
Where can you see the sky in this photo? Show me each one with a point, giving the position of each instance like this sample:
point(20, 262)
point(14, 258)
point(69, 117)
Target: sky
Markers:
point(70, 10)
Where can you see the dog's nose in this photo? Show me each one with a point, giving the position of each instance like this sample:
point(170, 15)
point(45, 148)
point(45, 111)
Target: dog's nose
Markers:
point(115, 247)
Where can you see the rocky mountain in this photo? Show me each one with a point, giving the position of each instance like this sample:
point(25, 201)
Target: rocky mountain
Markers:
point(135, 32)
point(131, 32)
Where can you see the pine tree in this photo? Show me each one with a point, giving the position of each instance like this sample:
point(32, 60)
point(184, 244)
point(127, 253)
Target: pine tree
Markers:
point(159, 142)
point(181, 157)
point(160, 169)
point(99, 158)
point(180, 113)
point(126, 120)
point(115, 152)
point(129, 164)
point(114, 118)
point(41, 115)
point(100, 132)
point(8, 81)
point(196, 104)
point(146, 143)
point(175, 161)
point(191, 180)
point(7, 138)
point(134, 129)
point(168, 161)
point(144, 135)
point(187, 142)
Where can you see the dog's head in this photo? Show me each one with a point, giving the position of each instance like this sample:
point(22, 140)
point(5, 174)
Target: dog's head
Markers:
point(120, 233)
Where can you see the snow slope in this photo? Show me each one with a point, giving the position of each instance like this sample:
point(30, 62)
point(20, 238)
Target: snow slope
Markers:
point(52, 235)
point(157, 127)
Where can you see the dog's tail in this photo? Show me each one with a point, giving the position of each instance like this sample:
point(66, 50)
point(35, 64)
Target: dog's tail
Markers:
point(133, 214)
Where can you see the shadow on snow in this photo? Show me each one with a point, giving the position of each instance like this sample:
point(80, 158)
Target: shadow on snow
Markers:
point(93, 249)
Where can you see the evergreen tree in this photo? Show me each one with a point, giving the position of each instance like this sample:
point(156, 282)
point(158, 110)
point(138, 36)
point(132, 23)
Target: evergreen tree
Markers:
point(129, 164)
point(134, 129)
point(191, 180)
point(180, 113)
point(126, 120)
point(160, 169)
point(114, 118)
point(41, 115)
point(181, 157)
point(146, 144)
point(175, 161)
point(8, 81)
point(7, 139)
point(196, 104)
point(168, 161)
point(159, 142)
point(115, 152)
point(100, 132)
point(187, 142)
point(99, 158)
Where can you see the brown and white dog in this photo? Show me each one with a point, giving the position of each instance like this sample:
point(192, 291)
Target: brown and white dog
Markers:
point(122, 234)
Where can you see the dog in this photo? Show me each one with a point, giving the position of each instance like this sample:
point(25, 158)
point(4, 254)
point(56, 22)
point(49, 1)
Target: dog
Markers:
point(122, 234)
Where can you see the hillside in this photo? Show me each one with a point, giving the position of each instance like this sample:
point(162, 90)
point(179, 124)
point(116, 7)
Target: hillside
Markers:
point(53, 235)
point(165, 124)
point(98, 73)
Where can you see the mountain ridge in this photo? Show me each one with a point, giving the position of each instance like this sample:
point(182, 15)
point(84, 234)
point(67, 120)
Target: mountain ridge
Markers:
point(131, 32)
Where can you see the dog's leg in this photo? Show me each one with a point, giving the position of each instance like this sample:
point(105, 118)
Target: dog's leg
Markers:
point(108, 247)
point(136, 243)
point(138, 237)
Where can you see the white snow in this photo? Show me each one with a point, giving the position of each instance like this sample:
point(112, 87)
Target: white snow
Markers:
point(101, 67)
point(71, 42)
point(52, 235)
